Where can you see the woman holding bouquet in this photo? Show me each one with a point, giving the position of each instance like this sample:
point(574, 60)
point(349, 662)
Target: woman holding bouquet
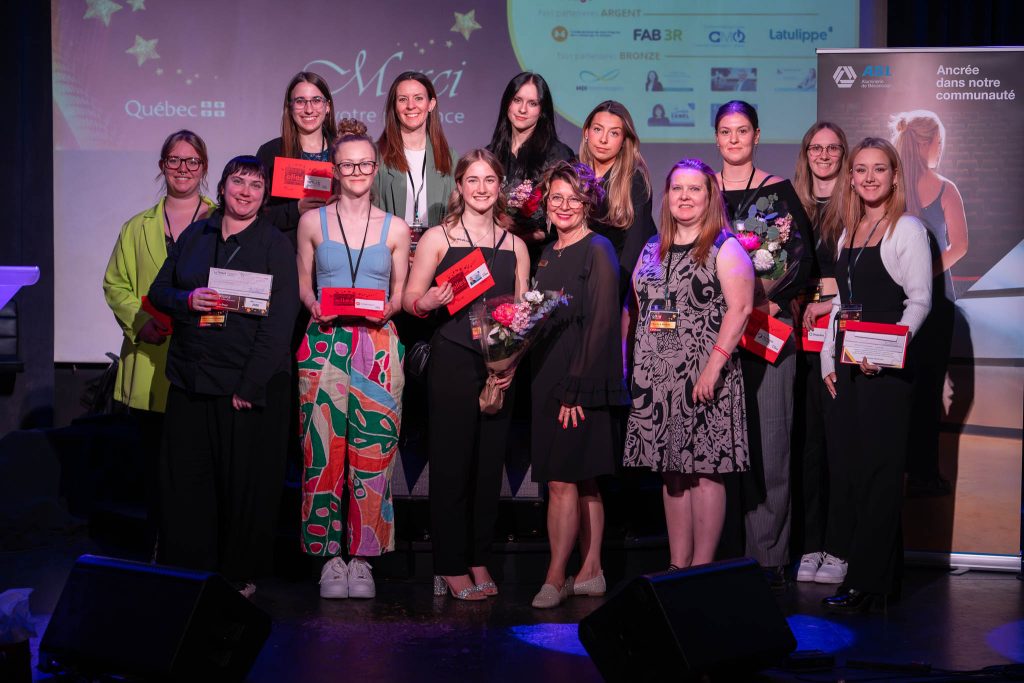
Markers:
point(577, 381)
point(525, 142)
point(769, 221)
point(467, 447)
point(350, 374)
point(611, 147)
point(694, 291)
point(884, 275)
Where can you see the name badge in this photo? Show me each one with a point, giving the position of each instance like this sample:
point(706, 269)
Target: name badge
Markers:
point(849, 313)
point(662, 318)
point(475, 327)
point(213, 319)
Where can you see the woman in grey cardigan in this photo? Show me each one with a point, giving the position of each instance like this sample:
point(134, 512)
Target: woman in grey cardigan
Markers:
point(884, 275)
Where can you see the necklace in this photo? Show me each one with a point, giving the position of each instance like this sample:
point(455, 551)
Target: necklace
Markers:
point(577, 235)
point(740, 180)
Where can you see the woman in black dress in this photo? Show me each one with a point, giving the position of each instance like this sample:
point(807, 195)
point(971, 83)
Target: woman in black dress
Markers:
point(467, 448)
point(755, 195)
point(884, 275)
point(577, 381)
point(611, 147)
point(307, 131)
point(526, 144)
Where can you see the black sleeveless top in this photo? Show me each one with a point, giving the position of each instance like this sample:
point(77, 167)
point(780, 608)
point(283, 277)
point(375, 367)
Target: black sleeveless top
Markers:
point(502, 263)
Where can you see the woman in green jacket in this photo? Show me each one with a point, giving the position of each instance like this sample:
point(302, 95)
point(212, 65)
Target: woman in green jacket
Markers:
point(140, 250)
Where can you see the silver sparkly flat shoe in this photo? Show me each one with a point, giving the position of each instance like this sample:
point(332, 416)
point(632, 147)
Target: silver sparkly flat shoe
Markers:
point(594, 588)
point(549, 597)
point(471, 594)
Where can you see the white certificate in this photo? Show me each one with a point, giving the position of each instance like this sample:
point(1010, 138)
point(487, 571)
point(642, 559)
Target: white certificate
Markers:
point(241, 290)
point(882, 344)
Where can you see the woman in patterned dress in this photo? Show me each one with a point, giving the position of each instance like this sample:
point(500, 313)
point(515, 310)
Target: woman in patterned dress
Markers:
point(350, 373)
point(694, 288)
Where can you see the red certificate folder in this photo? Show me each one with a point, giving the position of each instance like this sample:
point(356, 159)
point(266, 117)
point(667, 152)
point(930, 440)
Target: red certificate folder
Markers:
point(299, 178)
point(764, 335)
point(352, 301)
point(470, 278)
point(159, 316)
point(812, 340)
point(888, 349)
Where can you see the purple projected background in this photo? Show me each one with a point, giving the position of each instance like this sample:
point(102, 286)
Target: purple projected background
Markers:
point(127, 73)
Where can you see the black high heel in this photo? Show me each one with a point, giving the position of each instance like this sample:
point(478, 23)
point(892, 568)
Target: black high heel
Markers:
point(853, 601)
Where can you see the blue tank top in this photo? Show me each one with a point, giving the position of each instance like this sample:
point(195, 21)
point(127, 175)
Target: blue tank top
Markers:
point(332, 266)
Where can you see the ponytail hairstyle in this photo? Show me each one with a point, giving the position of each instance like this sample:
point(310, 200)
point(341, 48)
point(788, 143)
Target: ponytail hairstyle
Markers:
point(714, 220)
point(913, 133)
point(197, 143)
point(392, 151)
point(619, 182)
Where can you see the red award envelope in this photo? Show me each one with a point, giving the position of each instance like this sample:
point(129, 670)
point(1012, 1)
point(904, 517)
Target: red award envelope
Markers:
point(159, 316)
point(881, 343)
point(299, 178)
point(352, 301)
point(811, 340)
point(765, 336)
point(470, 278)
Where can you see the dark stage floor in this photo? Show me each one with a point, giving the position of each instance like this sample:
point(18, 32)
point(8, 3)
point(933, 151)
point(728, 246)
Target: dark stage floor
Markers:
point(951, 621)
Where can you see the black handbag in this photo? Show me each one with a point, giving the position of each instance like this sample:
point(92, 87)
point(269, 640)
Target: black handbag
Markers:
point(416, 360)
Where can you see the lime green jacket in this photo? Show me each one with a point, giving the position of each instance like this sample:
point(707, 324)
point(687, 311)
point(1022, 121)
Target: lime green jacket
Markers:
point(137, 257)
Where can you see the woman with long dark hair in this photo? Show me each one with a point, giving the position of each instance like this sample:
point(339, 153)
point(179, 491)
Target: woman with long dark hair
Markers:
point(884, 275)
point(611, 147)
point(467, 447)
point(307, 131)
point(526, 144)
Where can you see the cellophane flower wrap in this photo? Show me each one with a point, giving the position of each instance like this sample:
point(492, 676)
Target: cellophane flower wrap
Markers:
point(766, 232)
point(524, 202)
point(508, 327)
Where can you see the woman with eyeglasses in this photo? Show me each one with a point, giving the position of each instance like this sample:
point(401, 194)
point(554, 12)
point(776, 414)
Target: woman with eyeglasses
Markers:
point(467, 446)
point(576, 382)
point(350, 373)
point(226, 428)
point(140, 250)
point(757, 200)
point(307, 131)
point(526, 144)
point(818, 500)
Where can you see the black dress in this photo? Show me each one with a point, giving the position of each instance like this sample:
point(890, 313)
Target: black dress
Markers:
point(578, 362)
point(628, 242)
point(870, 416)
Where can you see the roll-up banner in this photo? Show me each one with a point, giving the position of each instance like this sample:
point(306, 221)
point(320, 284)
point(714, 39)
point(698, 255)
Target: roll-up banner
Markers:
point(954, 116)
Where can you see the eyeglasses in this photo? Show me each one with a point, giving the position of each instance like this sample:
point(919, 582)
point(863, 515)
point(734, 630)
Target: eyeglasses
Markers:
point(191, 163)
point(301, 102)
point(816, 150)
point(349, 168)
point(556, 200)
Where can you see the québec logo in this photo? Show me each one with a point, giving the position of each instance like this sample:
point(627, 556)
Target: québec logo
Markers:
point(844, 76)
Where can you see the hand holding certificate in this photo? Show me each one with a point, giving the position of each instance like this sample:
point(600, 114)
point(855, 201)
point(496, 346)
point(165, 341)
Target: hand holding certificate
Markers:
point(879, 343)
point(353, 301)
point(301, 178)
point(764, 335)
point(469, 278)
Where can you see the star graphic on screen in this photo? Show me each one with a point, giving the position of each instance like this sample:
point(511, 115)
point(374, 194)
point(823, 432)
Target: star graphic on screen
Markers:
point(159, 72)
point(448, 43)
point(101, 9)
point(137, 5)
point(422, 51)
point(143, 49)
point(466, 23)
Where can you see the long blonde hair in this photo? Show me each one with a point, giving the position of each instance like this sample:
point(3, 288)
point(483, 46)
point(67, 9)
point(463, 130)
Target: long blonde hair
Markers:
point(715, 217)
point(853, 205)
point(456, 202)
point(829, 218)
point(619, 184)
point(913, 133)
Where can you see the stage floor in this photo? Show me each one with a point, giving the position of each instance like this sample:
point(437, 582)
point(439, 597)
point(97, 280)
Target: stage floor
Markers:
point(951, 621)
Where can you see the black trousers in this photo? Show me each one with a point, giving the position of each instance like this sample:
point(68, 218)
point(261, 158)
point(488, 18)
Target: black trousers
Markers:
point(868, 424)
point(221, 474)
point(151, 431)
point(466, 451)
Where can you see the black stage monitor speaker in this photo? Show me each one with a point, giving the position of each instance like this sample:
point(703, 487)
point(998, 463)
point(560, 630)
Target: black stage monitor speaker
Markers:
point(719, 619)
point(153, 623)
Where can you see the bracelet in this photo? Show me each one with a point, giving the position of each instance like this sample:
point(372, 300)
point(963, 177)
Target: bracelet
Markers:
point(722, 351)
point(416, 309)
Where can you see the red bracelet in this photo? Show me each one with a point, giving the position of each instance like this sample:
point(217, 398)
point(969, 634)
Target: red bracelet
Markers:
point(416, 309)
point(722, 351)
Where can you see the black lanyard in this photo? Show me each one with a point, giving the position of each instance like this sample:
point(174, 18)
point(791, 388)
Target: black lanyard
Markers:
point(747, 198)
point(851, 262)
point(415, 192)
point(354, 270)
point(816, 229)
point(668, 274)
point(168, 220)
point(216, 252)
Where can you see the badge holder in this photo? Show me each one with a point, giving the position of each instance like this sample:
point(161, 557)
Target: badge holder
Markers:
point(662, 317)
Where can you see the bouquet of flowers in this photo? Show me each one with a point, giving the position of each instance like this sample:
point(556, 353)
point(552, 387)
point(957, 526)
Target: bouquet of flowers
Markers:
point(764, 233)
point(524, 202)
point(507, 330)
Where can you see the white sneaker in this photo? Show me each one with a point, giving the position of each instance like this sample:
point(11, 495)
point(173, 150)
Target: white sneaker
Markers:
point(832, 570)
point(360, 580)
point(808, 568)
point(334, 579)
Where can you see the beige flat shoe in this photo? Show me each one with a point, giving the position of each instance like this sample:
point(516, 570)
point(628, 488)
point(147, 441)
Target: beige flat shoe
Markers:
point(594, 588)
point(549, 597)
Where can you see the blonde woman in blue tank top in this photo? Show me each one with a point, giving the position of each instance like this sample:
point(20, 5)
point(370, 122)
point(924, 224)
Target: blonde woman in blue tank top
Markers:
point(350, 373)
